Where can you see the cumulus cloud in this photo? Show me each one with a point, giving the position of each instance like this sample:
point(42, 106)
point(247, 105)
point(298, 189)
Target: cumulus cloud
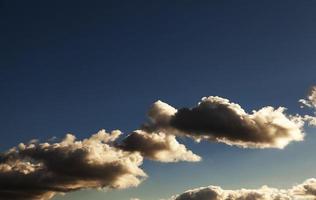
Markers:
point(38, 171)
point(304, 191)
point(310, 102)
point(158, 146)
point(218, 119)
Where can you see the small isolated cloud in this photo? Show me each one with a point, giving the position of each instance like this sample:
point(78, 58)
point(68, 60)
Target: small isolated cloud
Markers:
point(38, 171)
point(218, 119)
point(310, 102)
point(158, 146)
point(311, 120)
point(304, 191)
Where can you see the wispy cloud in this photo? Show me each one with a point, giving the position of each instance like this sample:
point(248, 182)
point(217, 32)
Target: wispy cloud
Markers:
point(310, 102)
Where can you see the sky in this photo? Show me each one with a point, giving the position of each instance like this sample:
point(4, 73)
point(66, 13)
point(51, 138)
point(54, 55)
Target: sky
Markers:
point(79, 67)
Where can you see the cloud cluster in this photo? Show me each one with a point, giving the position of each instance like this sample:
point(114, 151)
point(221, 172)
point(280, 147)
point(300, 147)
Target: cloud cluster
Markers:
point(304, 191)
point(218, 119)
point(158, 146)
point(38, 171)
point(310, 102)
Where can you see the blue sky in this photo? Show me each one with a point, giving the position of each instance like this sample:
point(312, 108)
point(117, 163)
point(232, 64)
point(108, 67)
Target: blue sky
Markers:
point(81, 66)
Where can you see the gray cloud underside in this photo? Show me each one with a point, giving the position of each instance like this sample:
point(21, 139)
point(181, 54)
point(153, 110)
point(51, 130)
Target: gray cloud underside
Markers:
point(218, 119)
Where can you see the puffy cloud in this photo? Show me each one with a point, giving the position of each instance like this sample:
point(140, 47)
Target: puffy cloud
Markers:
point(304, 191)
point(158, 146)
point(38, 171)
point(218, 119)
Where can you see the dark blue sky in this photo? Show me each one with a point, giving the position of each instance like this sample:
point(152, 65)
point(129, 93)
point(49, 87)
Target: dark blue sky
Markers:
point(79, 66)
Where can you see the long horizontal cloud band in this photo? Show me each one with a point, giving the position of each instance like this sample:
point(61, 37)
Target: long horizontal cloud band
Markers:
point(304, 191)
point(218, 119)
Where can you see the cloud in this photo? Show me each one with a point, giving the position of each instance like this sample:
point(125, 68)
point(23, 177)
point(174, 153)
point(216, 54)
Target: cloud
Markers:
point(158, 146)
point(311, 98)
point(38, 171)
point(311, 120)
point(304, 191)
point(310, 102)
point(218, 119)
